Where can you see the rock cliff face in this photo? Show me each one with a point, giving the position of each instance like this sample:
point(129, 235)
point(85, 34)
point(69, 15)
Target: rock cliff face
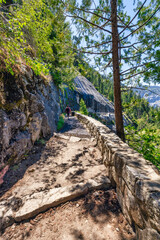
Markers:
point(29, 109)
point(92, 97)
point(94, 101)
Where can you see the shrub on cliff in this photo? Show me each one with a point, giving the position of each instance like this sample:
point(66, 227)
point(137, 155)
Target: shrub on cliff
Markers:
point(83, 108)
point(60, 123)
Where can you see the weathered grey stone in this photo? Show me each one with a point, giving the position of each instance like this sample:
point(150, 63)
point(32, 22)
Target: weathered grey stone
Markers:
point(93, 99)
point(61, 136)
point(74, 139)
point(122, 185)
point(20, 145)
point(119, 163)
point(133, 208)
point(147, 233)
point(35, 126)
point(6, 218)
point(45, 127)
point(35, 105)
point(153, 208)
point(123, 206)
point(5, 129)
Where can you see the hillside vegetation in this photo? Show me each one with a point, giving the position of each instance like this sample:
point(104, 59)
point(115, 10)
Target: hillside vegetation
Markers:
point(35, 33)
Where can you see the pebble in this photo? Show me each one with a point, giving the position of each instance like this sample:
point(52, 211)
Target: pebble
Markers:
point(31, 170)
point(117, 229)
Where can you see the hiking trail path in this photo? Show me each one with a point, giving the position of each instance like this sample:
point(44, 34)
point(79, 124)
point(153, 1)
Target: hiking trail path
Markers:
point(60, 191)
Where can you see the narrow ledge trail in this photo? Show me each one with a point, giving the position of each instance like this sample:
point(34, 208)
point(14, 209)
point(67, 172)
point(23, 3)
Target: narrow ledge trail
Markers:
point(60, 191)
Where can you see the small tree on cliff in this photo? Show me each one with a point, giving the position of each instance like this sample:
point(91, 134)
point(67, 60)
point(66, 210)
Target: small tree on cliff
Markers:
point(83, 108)
point(107, 31)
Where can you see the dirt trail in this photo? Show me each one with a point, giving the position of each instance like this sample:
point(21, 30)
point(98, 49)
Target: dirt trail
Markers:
point(69, 158)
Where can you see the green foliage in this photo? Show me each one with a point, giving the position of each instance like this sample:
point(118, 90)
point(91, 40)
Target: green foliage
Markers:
point(60, 123)
point(83, 108)
point(149, 37)
point(144, 134)
point(41, 141)
point(35, 33)
point(146, 141)
point(134, 106)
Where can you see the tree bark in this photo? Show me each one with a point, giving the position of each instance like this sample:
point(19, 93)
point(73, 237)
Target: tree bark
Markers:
point(116, 73)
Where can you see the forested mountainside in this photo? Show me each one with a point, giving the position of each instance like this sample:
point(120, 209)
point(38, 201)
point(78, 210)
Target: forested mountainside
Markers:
point(36, 34)
point(151, 94)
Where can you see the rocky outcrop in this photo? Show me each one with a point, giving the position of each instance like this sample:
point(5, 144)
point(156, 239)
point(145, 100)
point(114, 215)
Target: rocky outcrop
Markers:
point(137, 180)
point(94, 101)
point(29, 108)
point(92, 97)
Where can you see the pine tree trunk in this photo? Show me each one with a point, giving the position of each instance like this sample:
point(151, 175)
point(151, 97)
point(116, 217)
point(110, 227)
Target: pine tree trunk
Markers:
point(116, 73)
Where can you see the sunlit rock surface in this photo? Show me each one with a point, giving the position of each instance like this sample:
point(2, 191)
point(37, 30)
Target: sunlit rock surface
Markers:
point(92, 97)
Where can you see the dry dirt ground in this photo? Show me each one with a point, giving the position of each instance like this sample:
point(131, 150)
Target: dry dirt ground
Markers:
point(96, 216)
point(70, 157)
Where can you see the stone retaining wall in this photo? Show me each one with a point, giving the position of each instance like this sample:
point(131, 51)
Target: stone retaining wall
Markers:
point(137, 181)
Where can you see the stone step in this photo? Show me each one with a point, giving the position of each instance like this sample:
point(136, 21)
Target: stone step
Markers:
point(41, 201)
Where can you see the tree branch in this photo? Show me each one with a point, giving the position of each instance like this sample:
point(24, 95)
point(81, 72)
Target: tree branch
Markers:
point(120, 26)
point(123, 73)
point(94, 9)
point(98, 53)
point(5, 19)
point(125, 58)
point(108, 64)
point(88, 11)
point(132, 45)
point(94, 3)
point(133, 17)
point(139, 53)
point(133, 75)
point(142, 24)
point(123, 23)
point(97, 45)
point(91, 23)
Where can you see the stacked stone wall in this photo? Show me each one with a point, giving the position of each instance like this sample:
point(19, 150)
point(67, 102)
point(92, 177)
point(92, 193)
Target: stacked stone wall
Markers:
point(137, 181)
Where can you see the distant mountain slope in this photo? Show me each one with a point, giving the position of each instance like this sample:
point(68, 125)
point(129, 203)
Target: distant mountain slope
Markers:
point(153, 98)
